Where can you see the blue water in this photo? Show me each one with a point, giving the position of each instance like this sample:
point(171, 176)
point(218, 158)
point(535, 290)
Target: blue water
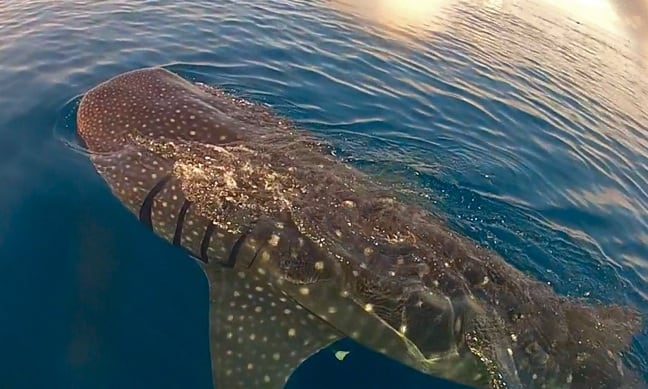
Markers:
point(524, 127)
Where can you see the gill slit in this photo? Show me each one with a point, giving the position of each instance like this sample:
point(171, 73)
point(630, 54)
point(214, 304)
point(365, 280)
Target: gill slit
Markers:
point(204, 245)
point(177, 236)
point(147, 205)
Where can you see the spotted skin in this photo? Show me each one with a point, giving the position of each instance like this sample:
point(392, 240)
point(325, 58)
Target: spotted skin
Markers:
point(249, 356)
point(301, 249)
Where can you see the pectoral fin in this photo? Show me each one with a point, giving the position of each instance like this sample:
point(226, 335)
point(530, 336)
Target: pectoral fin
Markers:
point(258, 337)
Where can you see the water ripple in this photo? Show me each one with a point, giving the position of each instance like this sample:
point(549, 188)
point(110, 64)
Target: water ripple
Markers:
point(526, 130)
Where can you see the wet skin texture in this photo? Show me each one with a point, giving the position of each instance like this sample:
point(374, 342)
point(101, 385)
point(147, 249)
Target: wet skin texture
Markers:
point(301, 250)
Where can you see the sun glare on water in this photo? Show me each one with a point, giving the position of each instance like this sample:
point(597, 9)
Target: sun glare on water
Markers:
point(400, 14)
point(413, 12)
point(598, 12)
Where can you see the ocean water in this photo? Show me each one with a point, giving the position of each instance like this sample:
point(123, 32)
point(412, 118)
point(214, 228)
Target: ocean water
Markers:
point(523, 123)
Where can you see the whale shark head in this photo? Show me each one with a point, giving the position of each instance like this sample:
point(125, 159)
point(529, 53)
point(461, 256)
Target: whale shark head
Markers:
point(301, 250)
point(258, 335)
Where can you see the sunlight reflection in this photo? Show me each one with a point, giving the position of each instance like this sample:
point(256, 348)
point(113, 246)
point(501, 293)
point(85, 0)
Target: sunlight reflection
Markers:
point(634, 16)
point(399, 15)
point(585, 40)
point(623, 20)
point(597, 12)
point(628, 18)
point(412, 12)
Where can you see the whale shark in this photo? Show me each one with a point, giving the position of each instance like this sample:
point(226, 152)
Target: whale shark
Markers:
point(301, 249)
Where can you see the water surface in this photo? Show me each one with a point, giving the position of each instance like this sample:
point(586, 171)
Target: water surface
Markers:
point(523, 124)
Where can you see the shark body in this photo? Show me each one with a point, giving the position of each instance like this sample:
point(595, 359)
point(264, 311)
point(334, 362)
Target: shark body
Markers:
point(301, 249)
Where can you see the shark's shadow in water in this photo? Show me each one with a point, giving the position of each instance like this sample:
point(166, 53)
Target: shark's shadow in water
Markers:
point(301, 249)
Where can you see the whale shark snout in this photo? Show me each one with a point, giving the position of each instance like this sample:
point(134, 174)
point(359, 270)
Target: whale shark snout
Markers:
point(301, 249)
point(151, 103)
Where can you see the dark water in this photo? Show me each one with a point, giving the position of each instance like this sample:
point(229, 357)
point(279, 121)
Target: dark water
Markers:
point(526, 128)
